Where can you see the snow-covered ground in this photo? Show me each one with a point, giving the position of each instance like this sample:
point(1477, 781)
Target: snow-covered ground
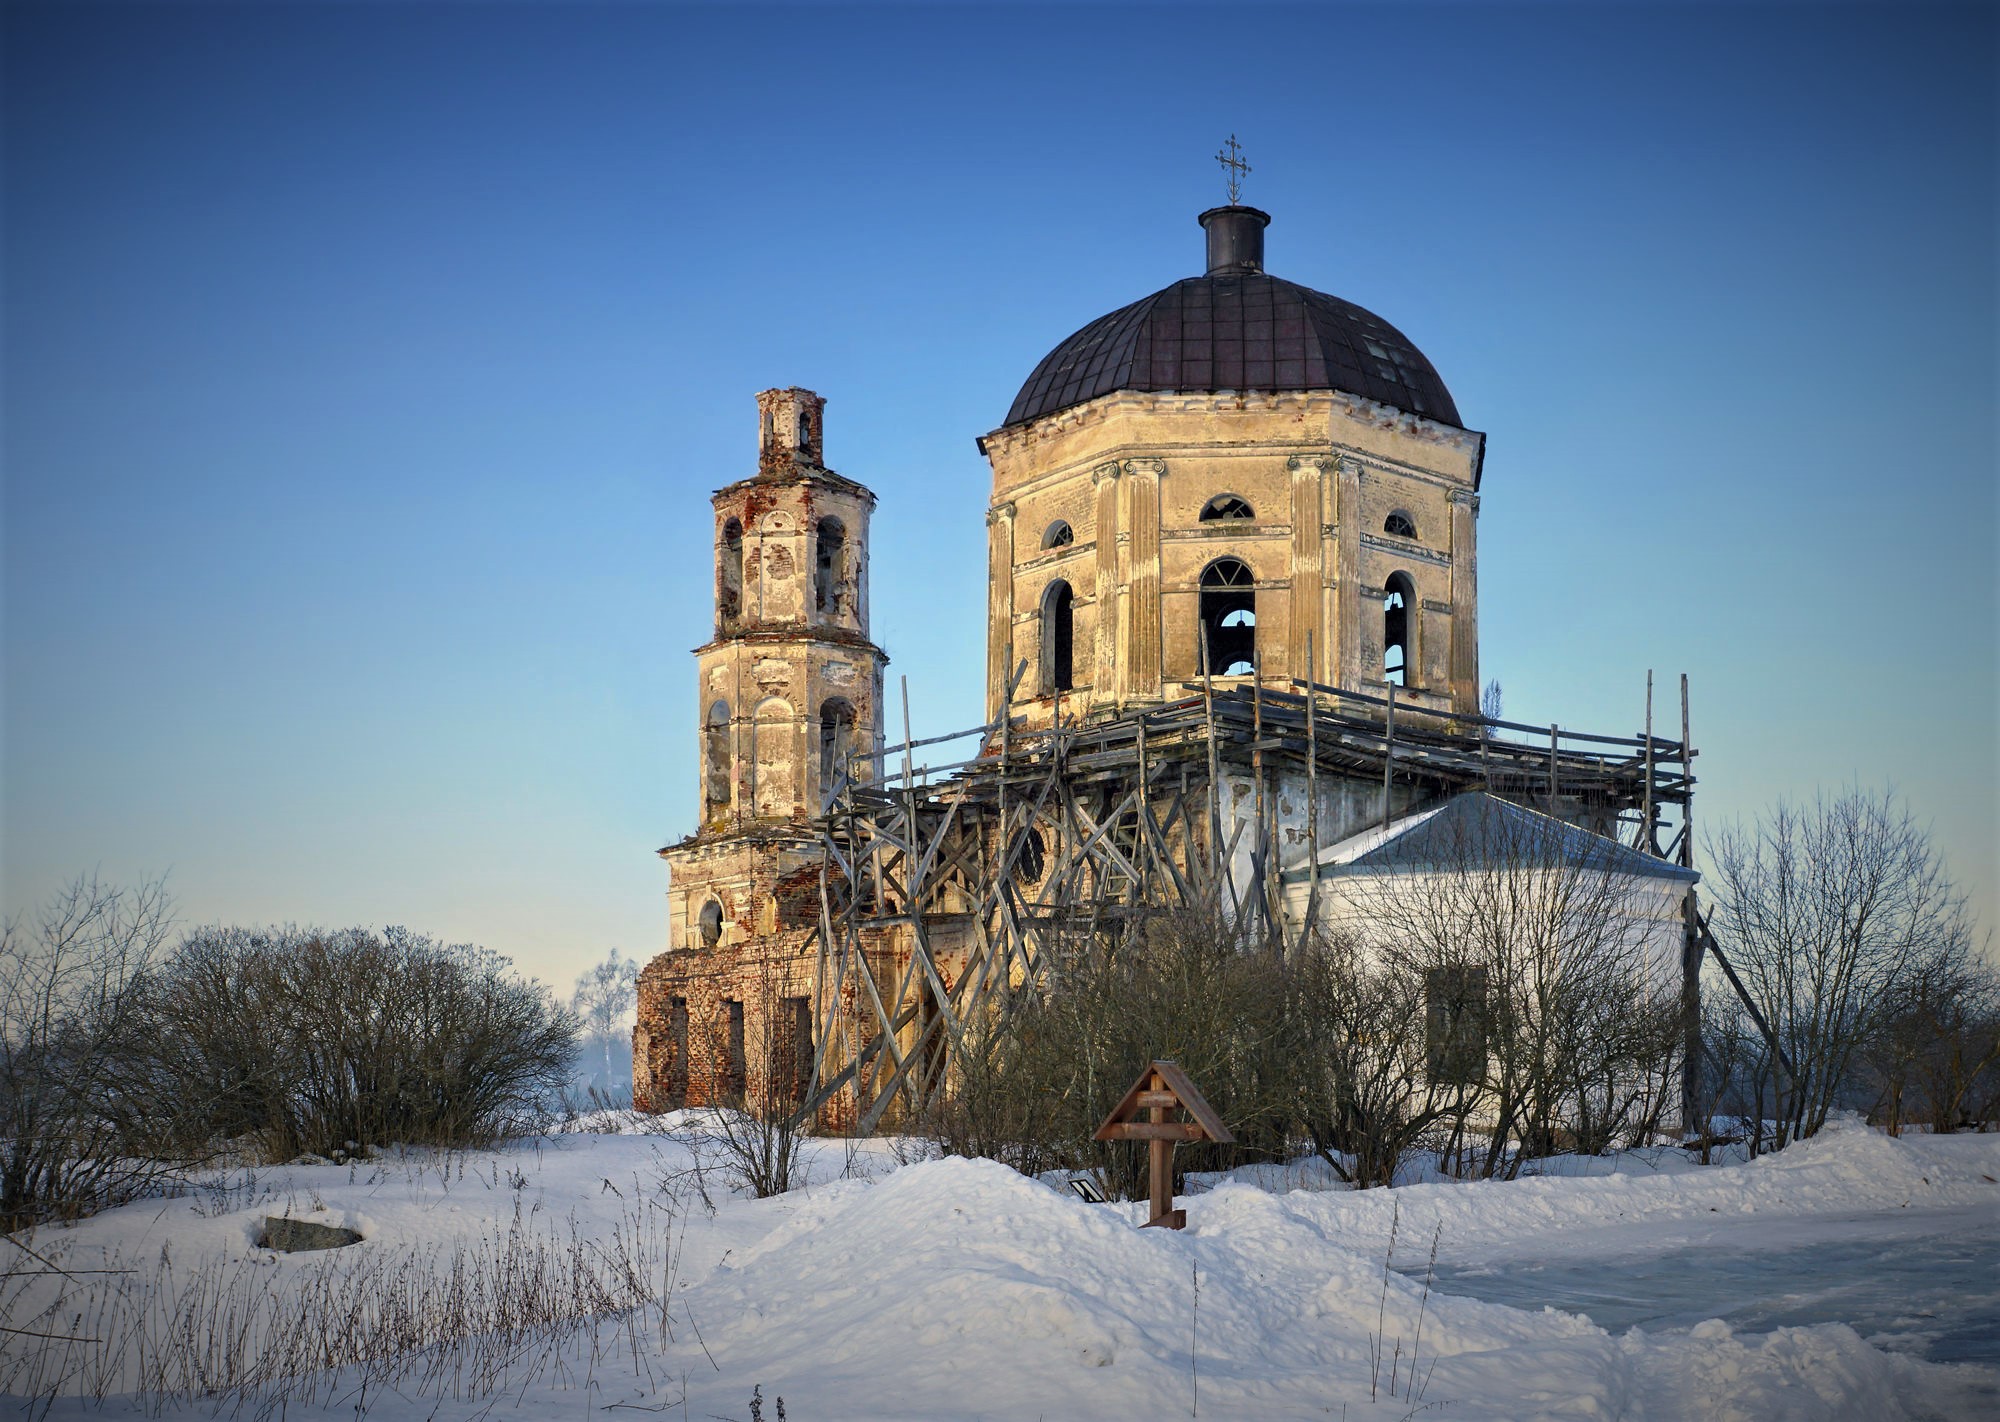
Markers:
point(956, 1289)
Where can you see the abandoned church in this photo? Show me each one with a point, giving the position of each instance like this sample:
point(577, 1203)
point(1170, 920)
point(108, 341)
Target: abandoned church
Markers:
point(1232, 660)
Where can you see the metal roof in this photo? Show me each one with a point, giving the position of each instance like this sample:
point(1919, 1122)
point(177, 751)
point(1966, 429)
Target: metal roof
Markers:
point(1477, 828)
point(1237, 331)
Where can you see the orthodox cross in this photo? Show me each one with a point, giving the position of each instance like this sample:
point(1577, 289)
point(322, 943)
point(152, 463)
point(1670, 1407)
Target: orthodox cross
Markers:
point(1230, 156)
point(1162, 1088)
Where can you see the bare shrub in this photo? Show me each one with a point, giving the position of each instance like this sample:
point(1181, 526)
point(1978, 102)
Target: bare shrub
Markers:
point(1365, 1088)
point(80, 1127)
point(325, 1042)
point(1180, 986)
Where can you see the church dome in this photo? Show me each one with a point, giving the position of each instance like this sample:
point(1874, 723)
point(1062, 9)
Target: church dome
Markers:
point(1236, 329)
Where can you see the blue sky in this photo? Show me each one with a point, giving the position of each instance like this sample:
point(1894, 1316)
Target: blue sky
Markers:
point(367, 369)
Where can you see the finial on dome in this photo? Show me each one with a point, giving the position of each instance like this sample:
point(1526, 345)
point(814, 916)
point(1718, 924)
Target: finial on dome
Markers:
point(1231, 158)
point(1235, 240)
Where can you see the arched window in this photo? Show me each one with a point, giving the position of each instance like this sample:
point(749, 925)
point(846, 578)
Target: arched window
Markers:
point(708, 924)
point(1398, 600)
point(830, 566)
point(1401, 525)
point(1058, 536)
point(805, 430)
point(836, 740)
point(1229, 617)
point(729, 578)
point(1058, 638)
point(1225, 507)
point(715, 759)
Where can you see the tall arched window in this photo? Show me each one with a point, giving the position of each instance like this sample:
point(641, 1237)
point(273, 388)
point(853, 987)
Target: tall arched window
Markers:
point(1058, 638)
point(1226, 507)
point(830, 565)
point(836, 740)
point(729, 578)
point(1229, 617)
point(708, 924)
point(715, 759)
point(1399, 599)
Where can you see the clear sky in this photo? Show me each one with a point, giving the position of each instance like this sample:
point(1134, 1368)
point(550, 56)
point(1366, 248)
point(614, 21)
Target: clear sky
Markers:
point(368, 368)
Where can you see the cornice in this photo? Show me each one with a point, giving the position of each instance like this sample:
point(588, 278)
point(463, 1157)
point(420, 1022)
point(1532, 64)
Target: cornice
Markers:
point(1404, 548)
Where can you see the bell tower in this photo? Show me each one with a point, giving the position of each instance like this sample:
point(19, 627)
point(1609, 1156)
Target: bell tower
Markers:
point(791, 686)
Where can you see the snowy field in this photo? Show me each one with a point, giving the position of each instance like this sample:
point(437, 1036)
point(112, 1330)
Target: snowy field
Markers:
point(617, 1273)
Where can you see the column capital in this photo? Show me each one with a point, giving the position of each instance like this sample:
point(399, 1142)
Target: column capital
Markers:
point(1154, 467)
point(1103, 473)
point(1347, 464)
point(1309, 463)
point(1000, 513)
point(1467, 498)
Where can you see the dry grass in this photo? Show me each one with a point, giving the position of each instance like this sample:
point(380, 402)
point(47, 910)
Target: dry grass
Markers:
point(463, 1321)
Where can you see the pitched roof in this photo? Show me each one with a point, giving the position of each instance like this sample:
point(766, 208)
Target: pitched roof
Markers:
point(1478, 828)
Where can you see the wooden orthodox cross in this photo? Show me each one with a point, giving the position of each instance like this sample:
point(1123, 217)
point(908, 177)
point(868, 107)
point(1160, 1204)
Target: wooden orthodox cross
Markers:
point(1161, 1088)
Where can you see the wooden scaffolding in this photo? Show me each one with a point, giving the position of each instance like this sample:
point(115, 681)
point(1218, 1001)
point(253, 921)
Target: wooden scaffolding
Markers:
point(948, 892)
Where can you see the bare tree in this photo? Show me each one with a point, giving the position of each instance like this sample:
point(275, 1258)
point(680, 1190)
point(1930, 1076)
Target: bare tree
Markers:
point(603, 997)
point(77, 1122)
point(1934, 1054)
point(1829, 910)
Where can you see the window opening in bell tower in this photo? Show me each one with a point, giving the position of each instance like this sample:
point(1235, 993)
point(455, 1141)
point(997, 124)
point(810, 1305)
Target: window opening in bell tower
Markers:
point(1229, 617)
point(729, 580)
point(1397, 600)
point(1058, 638)
point(830, 554)
point(836, 740)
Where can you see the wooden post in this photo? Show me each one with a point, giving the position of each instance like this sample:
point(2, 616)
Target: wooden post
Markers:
point(1388, 752)
point(1691, 951)
point(1143, 845)
point(1646, 841)
point(1312, 799)
point(1159, 1152)
point(1214, 771)
point(1259, 845)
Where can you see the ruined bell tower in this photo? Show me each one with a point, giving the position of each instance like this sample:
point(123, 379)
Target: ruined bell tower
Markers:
point(789, 704)
point(791, 685)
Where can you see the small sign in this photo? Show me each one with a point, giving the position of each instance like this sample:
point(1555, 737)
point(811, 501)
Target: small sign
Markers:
point(1163, 1088)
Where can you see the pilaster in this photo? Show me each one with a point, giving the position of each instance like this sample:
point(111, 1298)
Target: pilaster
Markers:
point(1347, 571)
point(999, 605)
point(1464, 602)
point(1304, 634)
point(1142, 588)
point(1104, 675)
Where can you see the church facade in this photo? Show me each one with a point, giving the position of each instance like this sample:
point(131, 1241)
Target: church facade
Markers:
point(1232, 623)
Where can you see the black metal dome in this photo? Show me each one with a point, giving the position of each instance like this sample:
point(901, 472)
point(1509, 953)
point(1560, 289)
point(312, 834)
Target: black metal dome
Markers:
point(1237, 329)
